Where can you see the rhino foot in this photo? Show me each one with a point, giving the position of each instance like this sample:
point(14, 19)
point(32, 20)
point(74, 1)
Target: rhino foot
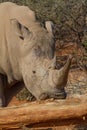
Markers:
point(2, 101)
point(43, 96)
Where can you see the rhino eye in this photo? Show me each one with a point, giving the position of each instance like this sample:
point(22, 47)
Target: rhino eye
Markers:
point(34, 71)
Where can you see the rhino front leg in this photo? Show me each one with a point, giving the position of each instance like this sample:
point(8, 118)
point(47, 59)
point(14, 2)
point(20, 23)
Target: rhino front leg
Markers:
point(2, 97)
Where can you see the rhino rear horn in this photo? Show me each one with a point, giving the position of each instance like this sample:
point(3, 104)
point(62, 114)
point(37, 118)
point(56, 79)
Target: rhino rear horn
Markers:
point(49, 26)
point(19, 29)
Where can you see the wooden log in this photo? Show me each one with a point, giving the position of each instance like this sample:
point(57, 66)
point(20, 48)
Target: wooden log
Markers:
point(41, 112)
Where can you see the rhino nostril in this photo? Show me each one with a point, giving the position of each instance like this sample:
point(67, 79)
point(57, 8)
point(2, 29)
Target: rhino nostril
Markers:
point(50, 67)
point(43, 96)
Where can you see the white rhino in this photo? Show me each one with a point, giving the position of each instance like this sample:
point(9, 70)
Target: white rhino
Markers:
point(27, 53)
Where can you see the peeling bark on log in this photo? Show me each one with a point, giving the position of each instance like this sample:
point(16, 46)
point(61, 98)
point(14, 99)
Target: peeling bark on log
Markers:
point(42, 112)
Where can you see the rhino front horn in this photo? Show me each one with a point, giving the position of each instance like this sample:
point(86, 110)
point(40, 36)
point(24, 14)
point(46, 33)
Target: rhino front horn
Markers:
point(59, 77)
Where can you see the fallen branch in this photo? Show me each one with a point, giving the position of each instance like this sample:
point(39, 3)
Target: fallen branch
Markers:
point(45, 111)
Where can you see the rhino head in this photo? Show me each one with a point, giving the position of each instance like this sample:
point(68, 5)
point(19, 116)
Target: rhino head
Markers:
point(38, 61)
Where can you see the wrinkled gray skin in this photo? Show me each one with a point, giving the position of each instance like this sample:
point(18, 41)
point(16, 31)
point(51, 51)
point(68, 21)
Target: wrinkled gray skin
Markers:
point(27, 53)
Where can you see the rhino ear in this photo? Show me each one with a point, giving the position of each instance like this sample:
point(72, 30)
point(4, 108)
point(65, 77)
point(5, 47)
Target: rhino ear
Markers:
point(19, 29)
point(49, 26)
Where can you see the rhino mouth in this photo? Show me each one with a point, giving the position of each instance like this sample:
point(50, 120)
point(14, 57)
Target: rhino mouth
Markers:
point(60, 94)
